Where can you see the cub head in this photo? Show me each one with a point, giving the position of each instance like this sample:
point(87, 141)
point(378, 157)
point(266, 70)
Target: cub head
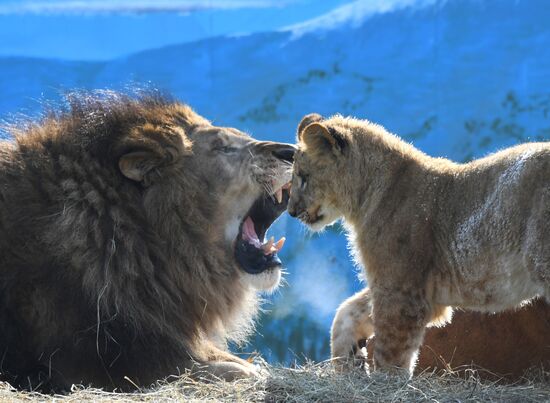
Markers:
point(315, 196)
point(218, 187)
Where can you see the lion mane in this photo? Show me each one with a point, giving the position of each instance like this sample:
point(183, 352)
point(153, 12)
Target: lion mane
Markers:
point(112, 271)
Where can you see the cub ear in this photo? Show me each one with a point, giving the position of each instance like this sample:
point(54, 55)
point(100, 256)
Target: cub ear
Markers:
point(321, 138)
point(306, 121)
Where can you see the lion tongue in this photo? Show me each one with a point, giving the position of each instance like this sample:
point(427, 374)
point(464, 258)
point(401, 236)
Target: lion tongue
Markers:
point(249, 233)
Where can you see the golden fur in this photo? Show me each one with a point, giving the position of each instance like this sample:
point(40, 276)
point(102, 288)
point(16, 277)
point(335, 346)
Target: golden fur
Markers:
point(501, 346)
point(430, 233)
point(118, 220)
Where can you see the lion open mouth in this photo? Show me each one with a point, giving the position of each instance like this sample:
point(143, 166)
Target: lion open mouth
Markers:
point(254, 254)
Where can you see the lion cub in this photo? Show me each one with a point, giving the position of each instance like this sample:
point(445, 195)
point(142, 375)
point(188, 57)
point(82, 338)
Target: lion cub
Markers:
point(430, 233)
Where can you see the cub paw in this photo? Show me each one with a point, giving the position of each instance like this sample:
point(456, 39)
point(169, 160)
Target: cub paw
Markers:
point(349, 355)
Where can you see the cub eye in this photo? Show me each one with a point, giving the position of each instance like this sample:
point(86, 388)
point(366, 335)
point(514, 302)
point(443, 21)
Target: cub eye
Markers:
point(302, 181)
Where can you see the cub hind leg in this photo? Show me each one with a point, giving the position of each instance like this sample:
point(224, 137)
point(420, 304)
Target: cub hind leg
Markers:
point(352, 325)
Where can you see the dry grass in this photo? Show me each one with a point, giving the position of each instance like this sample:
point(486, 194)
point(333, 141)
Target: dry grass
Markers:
point(318, 382)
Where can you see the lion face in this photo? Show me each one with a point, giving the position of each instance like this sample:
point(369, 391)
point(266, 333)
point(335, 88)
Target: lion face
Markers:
point(314, 199)
point(250, 180)
point(239, 185)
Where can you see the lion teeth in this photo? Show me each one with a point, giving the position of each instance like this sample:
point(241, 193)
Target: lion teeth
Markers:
point(279, 192)
point(271, 246)
point(268, 246)
point(288, 186)
point(279, 195)
point(280, 243)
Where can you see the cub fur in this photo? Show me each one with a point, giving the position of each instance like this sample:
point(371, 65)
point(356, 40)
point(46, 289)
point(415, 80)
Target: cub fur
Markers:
point(122, 254)
point(470, 341)
point(430, 233)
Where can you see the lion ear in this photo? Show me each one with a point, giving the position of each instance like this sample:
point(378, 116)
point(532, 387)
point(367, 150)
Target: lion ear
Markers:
point(306, 121)
point(320, 138)
point(148, 148)
point(136, 165)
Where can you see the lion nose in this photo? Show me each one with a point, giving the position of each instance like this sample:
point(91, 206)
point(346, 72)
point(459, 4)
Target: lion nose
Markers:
point(286, 153)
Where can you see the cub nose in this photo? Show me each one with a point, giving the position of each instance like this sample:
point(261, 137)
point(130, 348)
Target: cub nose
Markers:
point(292, 208)
point(286, 153)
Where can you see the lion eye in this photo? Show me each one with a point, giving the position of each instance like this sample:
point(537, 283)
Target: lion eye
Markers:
point(227, 149)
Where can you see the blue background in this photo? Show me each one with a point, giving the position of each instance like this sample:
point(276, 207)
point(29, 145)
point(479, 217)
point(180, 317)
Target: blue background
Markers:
point(457, 78)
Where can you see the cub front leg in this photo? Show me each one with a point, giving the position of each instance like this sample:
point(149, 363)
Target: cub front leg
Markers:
point(400, 318)
point(352, 325)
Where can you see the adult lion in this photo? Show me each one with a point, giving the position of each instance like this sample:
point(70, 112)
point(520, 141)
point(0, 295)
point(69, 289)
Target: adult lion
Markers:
point(131, 243)
point(431, 234)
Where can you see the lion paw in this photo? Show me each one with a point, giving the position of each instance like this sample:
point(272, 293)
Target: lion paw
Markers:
point(226, 371)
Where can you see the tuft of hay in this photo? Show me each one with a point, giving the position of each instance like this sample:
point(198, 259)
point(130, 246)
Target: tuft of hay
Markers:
point(314, 383)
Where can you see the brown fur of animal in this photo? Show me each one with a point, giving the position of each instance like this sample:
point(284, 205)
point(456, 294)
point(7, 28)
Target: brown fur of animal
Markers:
point(430, 233)
point(119, 225)
point(501, 346)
